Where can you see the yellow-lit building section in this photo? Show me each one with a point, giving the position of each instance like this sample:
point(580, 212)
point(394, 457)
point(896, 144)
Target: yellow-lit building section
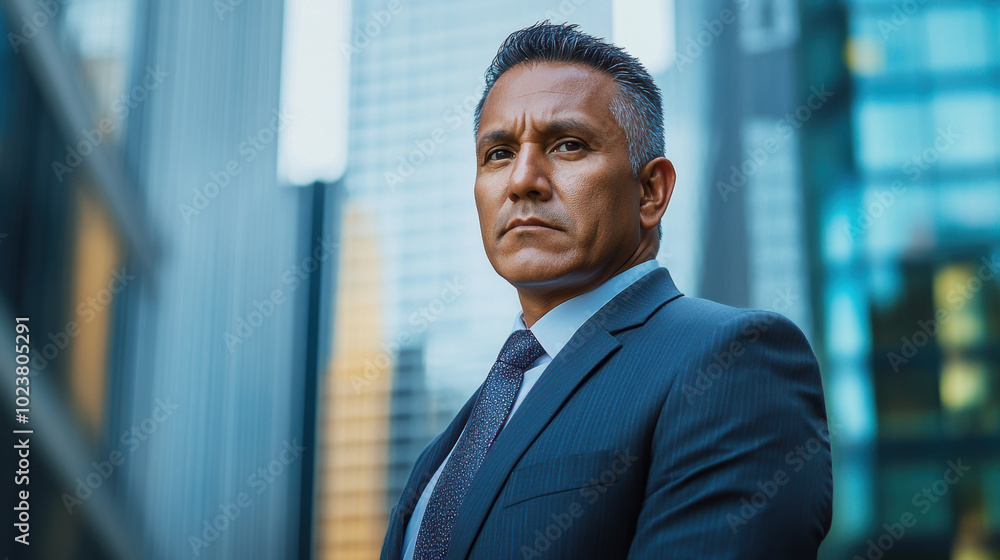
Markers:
point(865, 56)
point(965, 386)
point(356, 402)
point(958, 299)
point(98, 280)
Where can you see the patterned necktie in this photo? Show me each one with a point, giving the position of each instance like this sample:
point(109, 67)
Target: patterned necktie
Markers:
point(485, 421)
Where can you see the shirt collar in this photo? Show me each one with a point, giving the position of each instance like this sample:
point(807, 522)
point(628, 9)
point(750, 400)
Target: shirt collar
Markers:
point(554, 329)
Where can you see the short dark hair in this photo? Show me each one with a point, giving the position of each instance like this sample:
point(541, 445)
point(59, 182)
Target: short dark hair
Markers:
point(637, 107)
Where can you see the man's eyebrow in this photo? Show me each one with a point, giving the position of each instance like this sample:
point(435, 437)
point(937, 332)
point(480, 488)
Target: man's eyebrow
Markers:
point(491, 137)
point(552, 128)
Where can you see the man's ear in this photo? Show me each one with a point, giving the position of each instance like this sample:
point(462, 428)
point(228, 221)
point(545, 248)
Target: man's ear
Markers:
point(657, 180)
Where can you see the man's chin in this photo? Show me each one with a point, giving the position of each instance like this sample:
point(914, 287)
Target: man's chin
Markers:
point(538, 269)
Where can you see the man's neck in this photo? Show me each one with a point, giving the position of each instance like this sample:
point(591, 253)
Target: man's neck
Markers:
point(536, 303)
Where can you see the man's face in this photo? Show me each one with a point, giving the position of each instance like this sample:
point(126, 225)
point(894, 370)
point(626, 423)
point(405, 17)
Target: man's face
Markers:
point(552, 158)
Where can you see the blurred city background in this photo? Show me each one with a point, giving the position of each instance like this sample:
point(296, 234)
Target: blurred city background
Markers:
point(245, 239)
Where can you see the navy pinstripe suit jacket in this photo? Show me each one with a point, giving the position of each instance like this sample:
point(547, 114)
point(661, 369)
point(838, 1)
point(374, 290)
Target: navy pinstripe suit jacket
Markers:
point(668, 427)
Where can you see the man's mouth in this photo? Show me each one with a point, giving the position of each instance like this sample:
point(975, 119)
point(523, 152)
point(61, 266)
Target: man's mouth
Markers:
point(527, 223)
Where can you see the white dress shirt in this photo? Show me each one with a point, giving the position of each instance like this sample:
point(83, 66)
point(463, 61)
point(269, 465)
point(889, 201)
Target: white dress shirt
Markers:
point(553, 330)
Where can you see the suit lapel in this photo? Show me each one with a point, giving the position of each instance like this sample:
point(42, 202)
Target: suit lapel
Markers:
point(589, 347)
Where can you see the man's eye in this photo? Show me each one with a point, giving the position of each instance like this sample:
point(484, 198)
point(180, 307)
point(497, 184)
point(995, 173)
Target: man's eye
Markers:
point(569, 146)
point(500, 154)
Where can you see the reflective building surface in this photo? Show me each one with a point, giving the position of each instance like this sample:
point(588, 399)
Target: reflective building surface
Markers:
point(907, 197)
point(166, 278)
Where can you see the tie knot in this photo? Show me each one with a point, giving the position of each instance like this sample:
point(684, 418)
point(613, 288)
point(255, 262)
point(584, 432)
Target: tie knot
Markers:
point(521, 349)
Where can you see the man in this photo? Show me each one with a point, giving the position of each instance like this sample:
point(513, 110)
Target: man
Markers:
point(621, 419)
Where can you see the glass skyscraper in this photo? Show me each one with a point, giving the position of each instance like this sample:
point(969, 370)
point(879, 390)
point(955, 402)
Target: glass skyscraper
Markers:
point(907, 200)
point(144, 232)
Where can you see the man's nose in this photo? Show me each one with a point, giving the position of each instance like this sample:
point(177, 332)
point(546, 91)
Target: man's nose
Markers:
point(529, 176)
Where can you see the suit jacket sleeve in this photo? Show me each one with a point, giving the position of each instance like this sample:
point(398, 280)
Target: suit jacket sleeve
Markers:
point(741, 464)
